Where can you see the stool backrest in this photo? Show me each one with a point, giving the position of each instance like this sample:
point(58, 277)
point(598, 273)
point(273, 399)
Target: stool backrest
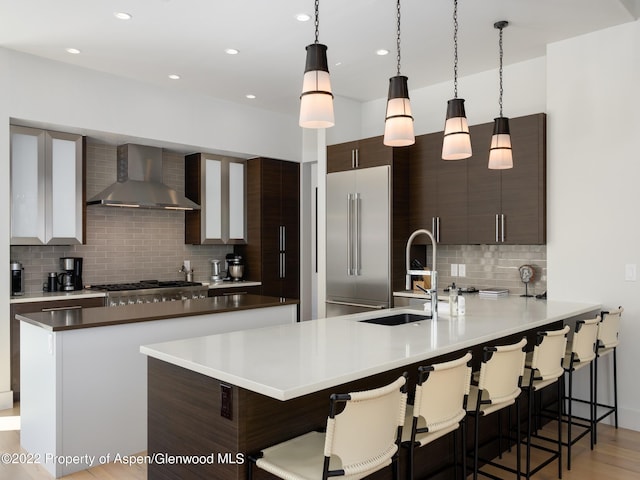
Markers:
point(609, 328)
point(367, 433)
point(441, 394)
point(501, 372)
point(585, 335)
point(548, 353)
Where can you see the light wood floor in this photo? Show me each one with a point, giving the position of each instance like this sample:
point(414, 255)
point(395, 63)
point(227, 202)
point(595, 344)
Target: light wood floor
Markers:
point(616, 457)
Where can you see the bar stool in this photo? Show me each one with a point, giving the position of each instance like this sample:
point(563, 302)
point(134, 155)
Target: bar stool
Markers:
point(580, 353)
point(498, 388)
point(543, 368)
point(363, 438)
point(608, 332)
point(439, 408)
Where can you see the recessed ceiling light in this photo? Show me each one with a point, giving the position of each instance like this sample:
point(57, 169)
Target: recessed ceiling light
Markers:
point(231, 51)
point(382, 51)
point(250, 96)
point(122, 15)
point(73, 51)
point(174, 76)
point(303, 17)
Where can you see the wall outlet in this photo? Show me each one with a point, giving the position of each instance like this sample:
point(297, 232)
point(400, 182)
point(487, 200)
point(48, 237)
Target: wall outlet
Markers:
point(630, 272)
point(454, 269)
point(462, 270)
point(226, 401)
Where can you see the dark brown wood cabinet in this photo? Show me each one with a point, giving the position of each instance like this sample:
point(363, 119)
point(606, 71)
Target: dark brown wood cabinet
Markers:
point(368, 152)
point(438, 192)
point(463, 202)
point(509, 206)
point(272, 252)
point(31, 307)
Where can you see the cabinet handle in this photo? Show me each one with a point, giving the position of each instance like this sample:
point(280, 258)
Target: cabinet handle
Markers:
point(357, 234)
point(502, 226)
point(284, 238)
point(437, 229)
point(353, 158)
point(53, 309)
point(349, 239)
point(497, 228)
point(357, 158)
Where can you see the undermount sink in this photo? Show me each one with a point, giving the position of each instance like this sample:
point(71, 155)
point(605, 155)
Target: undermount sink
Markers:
point(399, 319)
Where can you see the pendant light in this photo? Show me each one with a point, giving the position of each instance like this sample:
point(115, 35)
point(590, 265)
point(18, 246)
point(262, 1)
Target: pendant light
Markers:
point(500, 153)
point(456, 144)
point(316, 100)
point(398, 124)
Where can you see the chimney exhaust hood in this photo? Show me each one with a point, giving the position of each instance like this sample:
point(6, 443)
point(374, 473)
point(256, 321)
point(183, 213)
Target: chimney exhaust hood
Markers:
point(140, 184)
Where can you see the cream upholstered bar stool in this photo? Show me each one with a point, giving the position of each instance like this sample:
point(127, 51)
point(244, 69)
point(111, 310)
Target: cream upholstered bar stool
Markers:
point(543, 368)
point(581, 352)
point(499, 383)
point(362, 439)
point(439, 408)
point(607, 344)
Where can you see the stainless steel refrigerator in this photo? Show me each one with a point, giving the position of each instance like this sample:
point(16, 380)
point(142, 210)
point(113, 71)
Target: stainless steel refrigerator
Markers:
point(358, 241)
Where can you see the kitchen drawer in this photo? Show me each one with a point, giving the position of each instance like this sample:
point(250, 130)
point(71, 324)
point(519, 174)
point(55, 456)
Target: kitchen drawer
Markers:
point(254, 289)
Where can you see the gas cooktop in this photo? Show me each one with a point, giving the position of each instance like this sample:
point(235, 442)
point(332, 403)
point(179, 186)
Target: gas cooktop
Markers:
point(143, 285)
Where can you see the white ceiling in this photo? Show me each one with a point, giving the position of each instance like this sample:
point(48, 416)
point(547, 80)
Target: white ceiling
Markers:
point(188, 37)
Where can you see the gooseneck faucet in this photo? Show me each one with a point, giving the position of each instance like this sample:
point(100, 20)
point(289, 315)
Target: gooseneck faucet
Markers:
point(434, 275)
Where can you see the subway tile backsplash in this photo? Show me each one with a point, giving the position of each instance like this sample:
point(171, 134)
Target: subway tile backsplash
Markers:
point(124, 244)
point(493, 266)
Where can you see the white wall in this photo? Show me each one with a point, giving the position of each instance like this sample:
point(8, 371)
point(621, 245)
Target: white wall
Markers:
point(593, 173)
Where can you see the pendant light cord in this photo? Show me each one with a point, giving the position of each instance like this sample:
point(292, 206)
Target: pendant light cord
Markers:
point(500, 72)
point(317, 22)
point(455, 48)
point(398, 38)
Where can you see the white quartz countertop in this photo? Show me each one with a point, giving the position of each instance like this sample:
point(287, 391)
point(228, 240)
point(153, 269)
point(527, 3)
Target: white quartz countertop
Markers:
point(289, 361)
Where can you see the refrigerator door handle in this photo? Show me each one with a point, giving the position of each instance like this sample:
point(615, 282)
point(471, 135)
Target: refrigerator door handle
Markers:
point(357, 234)
point(349, 234)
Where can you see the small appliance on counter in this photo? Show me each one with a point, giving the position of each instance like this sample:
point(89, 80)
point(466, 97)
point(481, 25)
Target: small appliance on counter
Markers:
point(17, 278)
point(71, 276)
point(51, 285)
point(235, 267)
point(216, 275)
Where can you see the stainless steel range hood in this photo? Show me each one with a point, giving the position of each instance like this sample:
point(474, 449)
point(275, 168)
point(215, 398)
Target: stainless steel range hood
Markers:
point(140, 182)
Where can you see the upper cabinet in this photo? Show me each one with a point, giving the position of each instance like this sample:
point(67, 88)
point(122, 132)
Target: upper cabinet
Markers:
point(438, 192)
point(272, 253)
point(463, 202)
point(47, 187)
point(218, 185)
point(369, 152)
point(509, 206)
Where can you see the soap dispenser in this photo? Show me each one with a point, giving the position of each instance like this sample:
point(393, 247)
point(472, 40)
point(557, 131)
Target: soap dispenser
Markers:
point(453, 300)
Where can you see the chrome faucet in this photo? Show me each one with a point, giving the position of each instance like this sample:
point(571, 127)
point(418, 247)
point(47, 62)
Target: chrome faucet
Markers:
point(434, 275)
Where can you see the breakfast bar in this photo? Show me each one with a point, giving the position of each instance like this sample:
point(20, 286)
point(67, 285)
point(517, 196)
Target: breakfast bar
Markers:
point(241, 391)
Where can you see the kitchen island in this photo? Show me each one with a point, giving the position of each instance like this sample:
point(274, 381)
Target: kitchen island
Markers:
point(83, 380)
point(232, 394)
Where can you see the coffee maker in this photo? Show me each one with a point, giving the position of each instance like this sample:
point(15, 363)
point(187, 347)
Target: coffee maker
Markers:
point(17, 278)
point(71, 276)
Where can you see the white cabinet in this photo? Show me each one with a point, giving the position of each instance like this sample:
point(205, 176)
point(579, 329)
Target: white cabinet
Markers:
point(218, 185)
point(47, 187)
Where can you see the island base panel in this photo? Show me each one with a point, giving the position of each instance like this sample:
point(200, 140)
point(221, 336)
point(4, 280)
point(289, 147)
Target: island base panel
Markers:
point(185, 418)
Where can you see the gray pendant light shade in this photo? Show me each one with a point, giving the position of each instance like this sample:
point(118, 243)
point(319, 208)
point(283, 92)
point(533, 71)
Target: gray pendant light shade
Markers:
point(316, 100)
point(398, 124)
point(456, 144)
point(500, 153)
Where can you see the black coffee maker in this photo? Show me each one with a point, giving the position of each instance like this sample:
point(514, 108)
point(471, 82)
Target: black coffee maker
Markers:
point(71, 276)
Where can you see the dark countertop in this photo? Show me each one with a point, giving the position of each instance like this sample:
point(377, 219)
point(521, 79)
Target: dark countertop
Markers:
point(60, 320)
